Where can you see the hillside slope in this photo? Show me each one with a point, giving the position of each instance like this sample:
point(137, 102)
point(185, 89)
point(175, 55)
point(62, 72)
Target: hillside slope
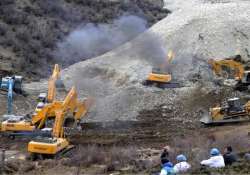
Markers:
point(30, 30)
point(195, 33)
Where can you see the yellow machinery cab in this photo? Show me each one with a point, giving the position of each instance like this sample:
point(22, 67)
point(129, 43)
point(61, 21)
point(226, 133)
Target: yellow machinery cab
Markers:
point(16, 123)
point(158, 76)
point(49, 146)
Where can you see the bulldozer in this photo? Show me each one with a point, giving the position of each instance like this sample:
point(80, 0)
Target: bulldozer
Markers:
point(231, 112)
point(232, 68)
point(57, 143)
point(160, 76)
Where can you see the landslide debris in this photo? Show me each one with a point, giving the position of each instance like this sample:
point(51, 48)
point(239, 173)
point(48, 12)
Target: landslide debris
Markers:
point(195, 33)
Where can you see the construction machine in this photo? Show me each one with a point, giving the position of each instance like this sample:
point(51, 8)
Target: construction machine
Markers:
point(160, 76)
point(11, 84)
point(14, 125)
point(232, 68)
point(50, 96)
point(31, 126)
point(231, 112)
point(57, 142)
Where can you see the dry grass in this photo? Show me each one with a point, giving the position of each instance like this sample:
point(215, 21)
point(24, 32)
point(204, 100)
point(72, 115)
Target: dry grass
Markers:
point(113, 158)
point(31, 29)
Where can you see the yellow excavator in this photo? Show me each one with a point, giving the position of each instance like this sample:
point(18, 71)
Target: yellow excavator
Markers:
point(50, 96)
point(232, 68)
point(22, 126)
point(18, 125)
point(231, 112)
point(44, 98)
point(57, 142)
point(160, 76)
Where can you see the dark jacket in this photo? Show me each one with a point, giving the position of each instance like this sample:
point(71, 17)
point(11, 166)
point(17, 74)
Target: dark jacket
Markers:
point(164, 155)
point(229, 158)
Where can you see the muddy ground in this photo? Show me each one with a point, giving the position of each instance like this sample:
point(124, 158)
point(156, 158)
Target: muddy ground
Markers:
point(144, 138)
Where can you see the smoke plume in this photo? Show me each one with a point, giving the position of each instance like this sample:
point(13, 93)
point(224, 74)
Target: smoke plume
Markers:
point(152, 49)
point(92, 40)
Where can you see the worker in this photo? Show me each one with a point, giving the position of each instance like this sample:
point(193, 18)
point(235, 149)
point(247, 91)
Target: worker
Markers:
point(215, 161)
point(182, 166)
point(247, 156)
point(165, 153)
point(229, 156)
point(167, 167)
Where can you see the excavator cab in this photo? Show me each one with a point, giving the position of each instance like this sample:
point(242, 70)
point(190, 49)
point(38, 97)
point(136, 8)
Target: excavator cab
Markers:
point(234, 105)
point(42, 97)
point(17, 83)
point(159, 71)
point(243, 84)
point(246, 77)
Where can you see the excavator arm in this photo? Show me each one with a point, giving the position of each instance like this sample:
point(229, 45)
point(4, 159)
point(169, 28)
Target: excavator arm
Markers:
point(78, 108)
point(40, 117)
point(10, 95)
point(52, 84)
point(58, 126)
point(231, 64)
point(70, 104)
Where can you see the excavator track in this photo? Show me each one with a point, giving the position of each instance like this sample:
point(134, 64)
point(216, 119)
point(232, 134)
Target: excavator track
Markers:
point(162, 85)
point(230, 120)
point(25, 134)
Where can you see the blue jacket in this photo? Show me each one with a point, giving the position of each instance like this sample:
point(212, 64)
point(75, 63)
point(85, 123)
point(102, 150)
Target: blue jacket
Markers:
point(169, 168)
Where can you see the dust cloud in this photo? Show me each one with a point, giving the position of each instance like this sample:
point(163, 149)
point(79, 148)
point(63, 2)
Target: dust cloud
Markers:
point(92, 40)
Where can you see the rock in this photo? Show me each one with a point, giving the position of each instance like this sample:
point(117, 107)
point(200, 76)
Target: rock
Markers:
point(127, 169)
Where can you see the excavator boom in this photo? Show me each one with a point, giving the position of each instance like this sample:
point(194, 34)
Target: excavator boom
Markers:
point(52, 84)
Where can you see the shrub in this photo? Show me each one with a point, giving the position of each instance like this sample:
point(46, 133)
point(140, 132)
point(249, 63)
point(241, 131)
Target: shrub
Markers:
point(114, 157)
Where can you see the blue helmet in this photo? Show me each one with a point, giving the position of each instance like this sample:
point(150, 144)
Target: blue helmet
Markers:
point(214, 152)
point(181, 158)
